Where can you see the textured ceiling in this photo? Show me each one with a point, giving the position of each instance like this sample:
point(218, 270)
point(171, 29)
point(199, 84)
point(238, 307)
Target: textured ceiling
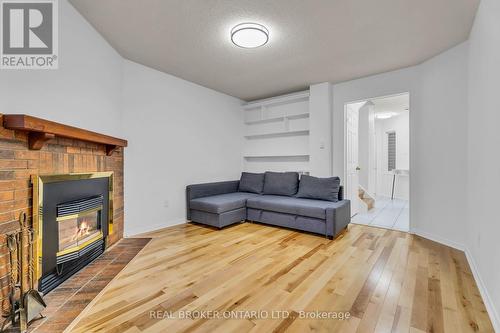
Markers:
point(310, 41)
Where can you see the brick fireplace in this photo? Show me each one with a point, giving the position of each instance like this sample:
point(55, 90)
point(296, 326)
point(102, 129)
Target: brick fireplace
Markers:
point(19, 165)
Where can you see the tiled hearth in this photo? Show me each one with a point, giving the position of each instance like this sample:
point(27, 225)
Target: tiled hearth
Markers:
point(69, 299)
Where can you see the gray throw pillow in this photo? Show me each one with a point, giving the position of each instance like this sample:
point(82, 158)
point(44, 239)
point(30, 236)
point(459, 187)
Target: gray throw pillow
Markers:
point(319, 188)
point(281, 183)
point(251, 182)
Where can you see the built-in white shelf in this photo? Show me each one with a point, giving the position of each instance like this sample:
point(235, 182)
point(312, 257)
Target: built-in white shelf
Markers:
point(302, 156)
point(277, 134)
point(264, 121)
point(283, 162)
point(298, 116)
point(273, 101)
point(277, 119)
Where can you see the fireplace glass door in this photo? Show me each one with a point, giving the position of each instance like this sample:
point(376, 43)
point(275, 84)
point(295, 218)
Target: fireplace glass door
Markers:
point(79, 226)
point(76, 231)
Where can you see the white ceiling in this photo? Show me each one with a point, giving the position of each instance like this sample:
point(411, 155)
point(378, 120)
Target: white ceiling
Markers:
point(394, 104)
point(310, 41)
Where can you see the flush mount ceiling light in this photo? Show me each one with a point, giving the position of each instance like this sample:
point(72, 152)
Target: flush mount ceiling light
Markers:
point(385, 115)
point(249, 35)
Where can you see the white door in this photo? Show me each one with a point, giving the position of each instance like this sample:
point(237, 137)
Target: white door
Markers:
point(352, 167)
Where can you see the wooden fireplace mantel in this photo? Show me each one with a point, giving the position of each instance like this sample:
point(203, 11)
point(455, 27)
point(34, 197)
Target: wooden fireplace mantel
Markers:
point(41, 130)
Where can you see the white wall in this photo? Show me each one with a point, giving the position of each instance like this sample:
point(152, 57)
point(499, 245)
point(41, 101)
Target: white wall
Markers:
point(84, 91)
point(483, 226)
point(320, 124)
point(439, 160)
point(179, 133)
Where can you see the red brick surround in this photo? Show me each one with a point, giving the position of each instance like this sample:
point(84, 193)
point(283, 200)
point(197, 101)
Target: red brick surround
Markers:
point(59, 156)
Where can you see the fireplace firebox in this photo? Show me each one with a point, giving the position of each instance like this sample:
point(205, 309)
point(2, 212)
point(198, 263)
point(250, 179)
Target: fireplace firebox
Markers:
point(72, 224)
point(79, 226)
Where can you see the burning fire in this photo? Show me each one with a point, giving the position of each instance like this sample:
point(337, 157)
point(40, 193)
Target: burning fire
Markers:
point(82, 231)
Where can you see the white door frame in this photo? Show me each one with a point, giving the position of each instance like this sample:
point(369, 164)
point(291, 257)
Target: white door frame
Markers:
point(344, 116)
point(348, 172)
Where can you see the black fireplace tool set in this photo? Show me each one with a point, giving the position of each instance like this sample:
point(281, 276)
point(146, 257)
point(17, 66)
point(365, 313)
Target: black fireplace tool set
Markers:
point(26, 303)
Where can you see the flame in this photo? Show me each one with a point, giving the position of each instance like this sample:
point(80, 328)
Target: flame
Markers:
point(81, 231)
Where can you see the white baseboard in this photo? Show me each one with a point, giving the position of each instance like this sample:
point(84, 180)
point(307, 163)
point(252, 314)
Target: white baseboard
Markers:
point(134, 231)
point(438, 239)
point(488, 303)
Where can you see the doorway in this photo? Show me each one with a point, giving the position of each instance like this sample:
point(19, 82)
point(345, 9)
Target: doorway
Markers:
point(377, 161)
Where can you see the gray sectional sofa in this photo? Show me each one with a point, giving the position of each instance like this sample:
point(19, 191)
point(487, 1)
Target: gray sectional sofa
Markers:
point(312, 204)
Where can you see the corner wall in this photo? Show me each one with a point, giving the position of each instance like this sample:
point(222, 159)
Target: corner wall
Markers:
point(320, 137)
point(483, 187)
point(179, 133)
point(83, 92)
point(438, 153)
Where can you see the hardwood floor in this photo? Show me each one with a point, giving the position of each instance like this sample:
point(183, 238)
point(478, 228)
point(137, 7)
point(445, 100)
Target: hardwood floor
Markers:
point(388, 281)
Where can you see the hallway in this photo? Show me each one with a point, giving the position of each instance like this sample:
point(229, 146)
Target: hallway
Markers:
point(387, 213)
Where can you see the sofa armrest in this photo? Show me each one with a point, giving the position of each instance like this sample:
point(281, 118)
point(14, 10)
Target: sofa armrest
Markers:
point(337, 218)
point(208, 189)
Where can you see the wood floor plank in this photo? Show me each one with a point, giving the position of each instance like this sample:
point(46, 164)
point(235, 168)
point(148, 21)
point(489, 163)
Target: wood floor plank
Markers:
point(420, 303)
point(385, 281)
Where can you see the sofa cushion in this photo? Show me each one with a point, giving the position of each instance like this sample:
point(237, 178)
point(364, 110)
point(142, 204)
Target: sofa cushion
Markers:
point(319, 188)
point(251, 182)
point(222, 202)
point(281, 183)
point(290, 205)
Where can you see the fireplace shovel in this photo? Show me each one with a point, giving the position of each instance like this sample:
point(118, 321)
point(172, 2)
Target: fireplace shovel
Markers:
point(32, 301)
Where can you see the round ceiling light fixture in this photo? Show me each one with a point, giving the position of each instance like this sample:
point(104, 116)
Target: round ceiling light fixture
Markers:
point(249, 35)
point(385, 115)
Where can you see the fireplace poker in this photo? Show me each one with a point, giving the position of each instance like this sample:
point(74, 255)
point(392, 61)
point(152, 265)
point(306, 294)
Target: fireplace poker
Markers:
point(31, 303)
point(12, 245)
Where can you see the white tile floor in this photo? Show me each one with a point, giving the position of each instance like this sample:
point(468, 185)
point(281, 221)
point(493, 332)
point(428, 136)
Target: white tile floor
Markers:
point(387, 213)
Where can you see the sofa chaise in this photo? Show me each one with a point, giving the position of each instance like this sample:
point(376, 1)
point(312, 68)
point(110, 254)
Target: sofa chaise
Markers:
point(310, 204)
